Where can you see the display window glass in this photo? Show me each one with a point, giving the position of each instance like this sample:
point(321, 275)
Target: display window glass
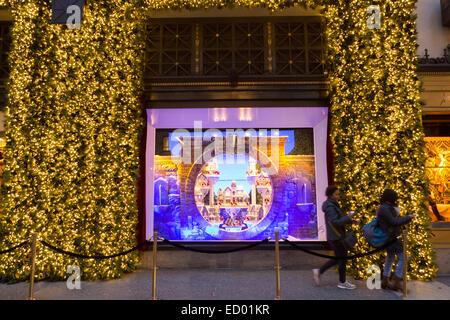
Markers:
point(437, 150)
point(265, 184)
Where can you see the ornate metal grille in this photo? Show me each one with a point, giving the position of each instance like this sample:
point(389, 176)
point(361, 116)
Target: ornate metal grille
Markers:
point(250, 47)
point(233, 46)
point(169, 49)
point(314, 48)
point(298, 48)
point(217, 49)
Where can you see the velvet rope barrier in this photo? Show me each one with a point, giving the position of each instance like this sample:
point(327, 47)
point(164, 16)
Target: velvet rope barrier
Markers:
point(96, 257)
point(180, 246)
point(359, 255)
point(14, 248)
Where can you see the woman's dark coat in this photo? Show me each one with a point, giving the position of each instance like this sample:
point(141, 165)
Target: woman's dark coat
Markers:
point(333, 214)
point(391, 224)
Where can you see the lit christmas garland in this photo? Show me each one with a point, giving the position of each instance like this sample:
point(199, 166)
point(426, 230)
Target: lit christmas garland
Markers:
point(74, 123)
point(376, 121)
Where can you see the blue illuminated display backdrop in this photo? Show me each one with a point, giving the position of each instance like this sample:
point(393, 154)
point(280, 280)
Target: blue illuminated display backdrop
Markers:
point(234, 197)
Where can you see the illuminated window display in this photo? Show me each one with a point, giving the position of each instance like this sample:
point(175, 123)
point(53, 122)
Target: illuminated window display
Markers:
point(233, 196)
point(438, 172)
point(238, 196)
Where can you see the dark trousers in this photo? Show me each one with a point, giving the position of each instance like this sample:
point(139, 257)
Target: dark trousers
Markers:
point(339, 251)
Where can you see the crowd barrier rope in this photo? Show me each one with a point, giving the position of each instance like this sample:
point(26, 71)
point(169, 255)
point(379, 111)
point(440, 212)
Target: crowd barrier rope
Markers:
point(14, 248)
point(180, 246)
point(34, 240)
point(355, 256)
point(96, 257)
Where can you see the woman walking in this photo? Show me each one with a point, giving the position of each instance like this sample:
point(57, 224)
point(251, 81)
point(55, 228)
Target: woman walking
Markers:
point(390, 223)
point(334, 216)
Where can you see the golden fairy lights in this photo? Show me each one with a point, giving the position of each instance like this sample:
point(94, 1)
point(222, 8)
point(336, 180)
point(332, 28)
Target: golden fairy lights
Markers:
point(74, 125)
point(376, 128)
point(73, 132)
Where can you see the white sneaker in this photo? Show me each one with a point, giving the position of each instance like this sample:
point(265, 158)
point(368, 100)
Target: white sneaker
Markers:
point(346, 285)
point(316, 276)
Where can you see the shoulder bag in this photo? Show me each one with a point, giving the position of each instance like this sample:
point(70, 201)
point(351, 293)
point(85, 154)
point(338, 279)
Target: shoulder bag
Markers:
point(348, 240)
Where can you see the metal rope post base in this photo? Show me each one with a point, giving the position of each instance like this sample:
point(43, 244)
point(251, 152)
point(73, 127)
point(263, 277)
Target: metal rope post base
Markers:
point(32, 265)
point(277, 265)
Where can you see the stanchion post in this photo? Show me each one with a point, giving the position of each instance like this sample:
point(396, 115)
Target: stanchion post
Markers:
point(277, 264)
point(32, 265)
point(405, 262)
point(155, 241)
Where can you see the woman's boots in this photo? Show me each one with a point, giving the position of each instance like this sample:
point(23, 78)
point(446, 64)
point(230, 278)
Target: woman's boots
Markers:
point(385, 284)
point(395, 285)
point(398, 284)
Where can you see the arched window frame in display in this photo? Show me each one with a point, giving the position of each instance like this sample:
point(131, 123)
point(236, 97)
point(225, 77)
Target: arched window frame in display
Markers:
point(227, 210)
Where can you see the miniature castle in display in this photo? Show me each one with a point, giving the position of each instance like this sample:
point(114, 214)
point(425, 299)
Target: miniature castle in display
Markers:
point(233, 209)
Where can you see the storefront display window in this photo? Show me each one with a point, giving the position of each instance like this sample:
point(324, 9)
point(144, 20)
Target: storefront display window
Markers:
point(241, 195)
point(438, 172)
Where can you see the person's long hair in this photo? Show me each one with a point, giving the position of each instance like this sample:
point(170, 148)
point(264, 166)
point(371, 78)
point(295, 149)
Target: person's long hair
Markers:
point(389, 196)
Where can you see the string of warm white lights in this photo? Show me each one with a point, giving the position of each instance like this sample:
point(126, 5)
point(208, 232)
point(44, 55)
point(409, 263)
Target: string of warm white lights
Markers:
point(376, 121)
point(74, 123)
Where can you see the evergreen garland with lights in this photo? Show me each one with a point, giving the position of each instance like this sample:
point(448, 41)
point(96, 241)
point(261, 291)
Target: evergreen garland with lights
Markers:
point(74, 122)
point(376, 122)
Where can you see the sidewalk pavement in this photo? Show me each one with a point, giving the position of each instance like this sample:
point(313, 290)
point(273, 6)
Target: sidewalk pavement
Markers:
point(223, 284)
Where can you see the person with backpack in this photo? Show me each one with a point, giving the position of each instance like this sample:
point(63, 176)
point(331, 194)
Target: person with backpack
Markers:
point(335, 223)
point(390, 223)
